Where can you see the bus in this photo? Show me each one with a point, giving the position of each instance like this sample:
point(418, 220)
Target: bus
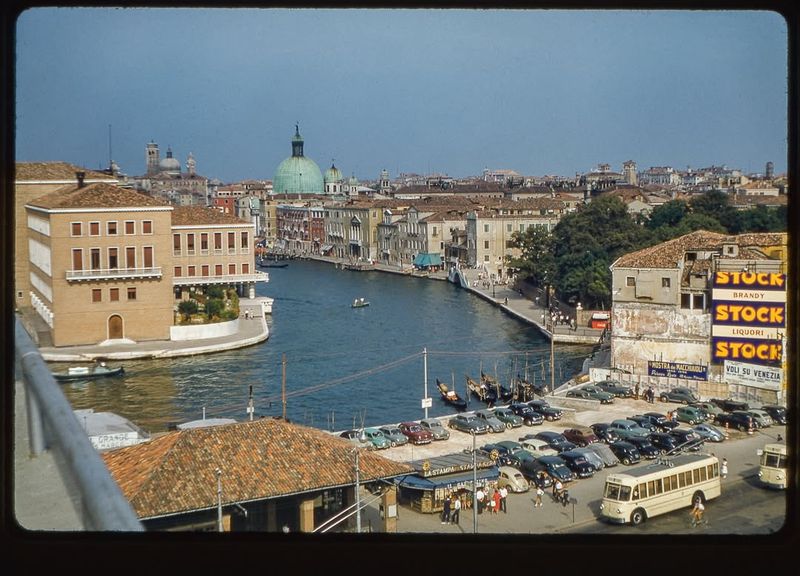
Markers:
point(665, 485)
point(773, 466)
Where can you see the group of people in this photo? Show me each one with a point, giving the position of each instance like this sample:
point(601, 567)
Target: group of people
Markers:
point(493, 500)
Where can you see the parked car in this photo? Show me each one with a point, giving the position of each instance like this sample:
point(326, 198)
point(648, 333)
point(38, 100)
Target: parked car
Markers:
point(681, 395)
point(708, 408)
point(739, 419)
point(555, 440)
point(616, 388)
point(468, 423)
point(646, 448)
point(599, 394)
point(729, 404)
point(357, 438)
point(436, 428)
point(580, 436)
point(604, 452)
point(488, 416)
point(528, 415)
point(664, 441)
point(578, 463)
point(491, 448)
point(709, 432)
point(507, 417)
point(548, 412)
point(395, 436)
point(416, 433)
point(376, 437)
point(643, 422)
point(626, 452)
point(512, 479)
point(579, 393)
point(553, 466)
point(516, 459)
point(591, 456)
point(660, 421)
point(689, 415)
point(778, 413)
point(687, 438)
point(604, 431)
point(538, 447)
point(763, 419)
point(626, 428)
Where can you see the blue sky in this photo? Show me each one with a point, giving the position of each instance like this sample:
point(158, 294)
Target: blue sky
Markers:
point(449, 91)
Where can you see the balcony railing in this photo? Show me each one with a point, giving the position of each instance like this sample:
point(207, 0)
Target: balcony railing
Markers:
point(221, 279)
point(52, 426)
point(112, 273)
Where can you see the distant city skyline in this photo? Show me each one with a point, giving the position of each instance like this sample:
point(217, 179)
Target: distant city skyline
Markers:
point(541, 92)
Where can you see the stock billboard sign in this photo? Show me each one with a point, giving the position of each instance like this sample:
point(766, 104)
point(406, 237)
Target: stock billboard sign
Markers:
point(748, 317)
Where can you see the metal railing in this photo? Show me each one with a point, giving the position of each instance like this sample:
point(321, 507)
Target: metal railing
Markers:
point(52, 425)
point(105, 273)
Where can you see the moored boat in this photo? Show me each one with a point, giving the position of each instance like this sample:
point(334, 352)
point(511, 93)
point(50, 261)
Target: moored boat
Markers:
point(502, 392)
point(450, 396)
point(481, 391)
point(100, 370)
point(360, 303)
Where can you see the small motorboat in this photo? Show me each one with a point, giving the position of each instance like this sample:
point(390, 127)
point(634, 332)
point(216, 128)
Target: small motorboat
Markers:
point(360, 303)
point(100, 370)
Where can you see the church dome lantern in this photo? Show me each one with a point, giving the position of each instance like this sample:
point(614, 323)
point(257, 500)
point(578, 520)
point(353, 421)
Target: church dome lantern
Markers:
point(298, 174)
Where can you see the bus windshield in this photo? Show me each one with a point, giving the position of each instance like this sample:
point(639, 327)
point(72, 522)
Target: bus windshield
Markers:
point(617, 492)
point(773, 460)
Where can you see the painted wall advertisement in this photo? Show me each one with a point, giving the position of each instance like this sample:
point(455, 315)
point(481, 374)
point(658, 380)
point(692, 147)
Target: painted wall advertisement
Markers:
point(677, 370)
point(748, 318)
point(753, 375)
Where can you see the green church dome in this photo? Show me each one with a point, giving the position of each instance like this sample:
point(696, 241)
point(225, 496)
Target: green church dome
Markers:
point(297, 174)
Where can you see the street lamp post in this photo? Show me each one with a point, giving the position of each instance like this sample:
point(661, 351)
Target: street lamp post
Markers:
point(474, 486)
point(358, 498)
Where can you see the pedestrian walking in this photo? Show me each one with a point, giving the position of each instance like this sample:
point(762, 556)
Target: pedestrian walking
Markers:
point(503, 497)
point(557, 488)
point(723, 470)
point(539, 494)
point(636, 391)
point(479, 495)
point(456, 511)
point(446, 510)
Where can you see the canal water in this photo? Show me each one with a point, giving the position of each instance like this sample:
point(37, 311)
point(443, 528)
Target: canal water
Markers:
point(343, 367)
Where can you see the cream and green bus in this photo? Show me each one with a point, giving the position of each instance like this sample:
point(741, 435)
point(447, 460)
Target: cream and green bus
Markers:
point(773, 466)
point(665, 485)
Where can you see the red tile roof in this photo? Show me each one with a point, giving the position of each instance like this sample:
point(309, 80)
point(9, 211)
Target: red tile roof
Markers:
point(202, 216)
point(99, 195)
point(267, 458)
point(55, 171)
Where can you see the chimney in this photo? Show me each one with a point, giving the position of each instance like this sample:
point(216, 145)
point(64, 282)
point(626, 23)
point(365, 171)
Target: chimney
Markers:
point(80, 175)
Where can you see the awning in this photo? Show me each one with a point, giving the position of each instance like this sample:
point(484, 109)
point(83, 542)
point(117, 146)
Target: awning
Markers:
point(415, 482)
point(423, 260)
point(326, 248)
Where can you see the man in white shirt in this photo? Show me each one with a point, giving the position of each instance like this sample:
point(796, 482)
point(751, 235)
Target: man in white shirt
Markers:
point(503, 496)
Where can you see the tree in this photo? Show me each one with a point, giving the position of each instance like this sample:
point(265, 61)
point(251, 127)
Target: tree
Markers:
point(536, 262)
point(187, 308)
point(214, 307)
point(668, 214)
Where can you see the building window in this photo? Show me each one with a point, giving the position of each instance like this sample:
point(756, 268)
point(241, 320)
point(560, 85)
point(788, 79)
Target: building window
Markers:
point(147, 226)
point(508, 227)
point(218, 242)
point(232, 269)
point(95, 259)
point(190, 244)
point(97, 295)
point(113, 294)
point(485, 227)
point(111, 228)
point(485, 257)
point(177, 272)
point(486, 244)
point(192, 270)
point(205, 269)
point(231, 242)
point(698, 302)
point(665, 282)
point(218, 270)
point(77, 229)
point(245, 268)
point(94, 228)
point(130, 227)
point(686, 301)
point(176, 244)
point(113, 258)
point(245, 241)
point(204, 243)
point(130, 257)
point(132, 293)
point(630, 281)
point(148, 256)
point(77, 259)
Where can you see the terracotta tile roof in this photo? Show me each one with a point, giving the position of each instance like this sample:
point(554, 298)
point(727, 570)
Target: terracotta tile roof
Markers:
point(266, 458)
point(100, 195)
point(55, 171)
point(202, 216)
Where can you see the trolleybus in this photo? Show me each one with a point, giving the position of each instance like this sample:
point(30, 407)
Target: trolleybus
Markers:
point(665, 485)
point(773, 466)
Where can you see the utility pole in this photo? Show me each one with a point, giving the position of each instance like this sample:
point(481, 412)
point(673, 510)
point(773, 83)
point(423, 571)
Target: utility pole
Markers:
point(283, 385)
point(219, 500)
point(425, 401)
point(552, 361)
point(474, 486)
point(358, 498)
point(250, 408)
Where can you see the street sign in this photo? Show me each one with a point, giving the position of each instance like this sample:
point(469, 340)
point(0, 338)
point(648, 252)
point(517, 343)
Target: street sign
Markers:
point(427, 402)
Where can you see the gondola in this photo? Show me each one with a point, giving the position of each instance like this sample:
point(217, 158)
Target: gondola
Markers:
point(451, 397)
point(482, 392)
point(89, 372)
point(490, 382)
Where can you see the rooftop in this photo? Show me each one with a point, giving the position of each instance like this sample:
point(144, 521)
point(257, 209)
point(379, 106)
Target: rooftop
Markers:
point(55, 171)
point(99, 195)
point(202, 216)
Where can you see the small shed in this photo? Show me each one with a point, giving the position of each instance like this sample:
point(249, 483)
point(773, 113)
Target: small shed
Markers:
point(600, 320)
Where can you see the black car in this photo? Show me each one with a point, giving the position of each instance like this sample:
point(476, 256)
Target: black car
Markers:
point(644, 422)
point(555, 440)
point(660, 421)
point(603, 431)
point(553, 466)
point(646, 448)
point(778, 413)
point(616, 388)
point(663, 441)
point(625, 452)
point(542, 407)
point(687, 439)
point(729, 404)
point(739, 419)
point(528, 415)
point(578, 463)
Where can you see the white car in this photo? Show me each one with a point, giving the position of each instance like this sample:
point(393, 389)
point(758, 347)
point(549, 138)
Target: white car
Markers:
point(538, 447)
point(762, 418)
point(512, 479)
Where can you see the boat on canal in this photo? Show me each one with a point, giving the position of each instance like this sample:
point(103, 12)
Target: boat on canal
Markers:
point(360, 303)
point(481, 391)
point(451, 396)
point(502, 392)
point(100, 370)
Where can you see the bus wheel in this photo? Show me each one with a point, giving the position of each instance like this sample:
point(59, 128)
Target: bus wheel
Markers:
point(638, 516)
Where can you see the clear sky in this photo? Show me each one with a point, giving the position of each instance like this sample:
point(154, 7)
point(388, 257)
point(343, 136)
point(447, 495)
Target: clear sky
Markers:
point(449, 91)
